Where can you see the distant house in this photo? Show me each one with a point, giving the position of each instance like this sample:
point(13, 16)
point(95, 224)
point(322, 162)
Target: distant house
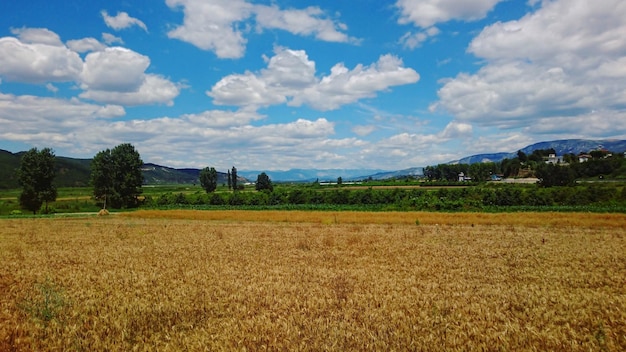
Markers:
point(553, 159)
point(583, 158)
point(463, 178)
point(495, 177)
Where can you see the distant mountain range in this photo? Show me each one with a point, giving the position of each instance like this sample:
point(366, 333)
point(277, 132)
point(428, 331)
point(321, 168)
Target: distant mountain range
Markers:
point(561, 147)
point(75, 172)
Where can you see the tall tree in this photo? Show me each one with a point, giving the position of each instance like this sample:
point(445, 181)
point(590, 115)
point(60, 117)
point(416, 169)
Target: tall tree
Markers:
point(35, 175)
point(263, 183)
point(233, 175)
point(116, 176)
point(230, 180)
point(208, 179)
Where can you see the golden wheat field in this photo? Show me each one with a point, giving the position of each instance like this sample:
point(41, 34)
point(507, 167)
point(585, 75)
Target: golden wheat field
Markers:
point(314, 281)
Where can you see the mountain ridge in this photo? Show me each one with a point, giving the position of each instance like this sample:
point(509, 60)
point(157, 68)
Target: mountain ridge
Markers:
point(74, 172)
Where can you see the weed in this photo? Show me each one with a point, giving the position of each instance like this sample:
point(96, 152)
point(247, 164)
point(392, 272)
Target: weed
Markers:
point(45, 302)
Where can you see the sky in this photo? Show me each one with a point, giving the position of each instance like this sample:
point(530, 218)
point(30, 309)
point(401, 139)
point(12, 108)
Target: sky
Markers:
point(283, 84)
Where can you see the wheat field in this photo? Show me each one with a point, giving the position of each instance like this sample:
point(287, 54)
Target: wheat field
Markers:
point(314, 281)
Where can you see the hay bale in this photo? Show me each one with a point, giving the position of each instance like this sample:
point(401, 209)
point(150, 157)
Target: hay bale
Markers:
point(103, 212)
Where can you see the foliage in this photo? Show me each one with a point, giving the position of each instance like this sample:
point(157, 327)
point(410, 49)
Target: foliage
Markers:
point(233, 177)
point(208, 179)
point(35, 175)
point(116, 176)
point(550, 175)
point(263, 183)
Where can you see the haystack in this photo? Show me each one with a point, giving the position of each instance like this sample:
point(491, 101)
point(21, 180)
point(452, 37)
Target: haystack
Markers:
point(103, 212)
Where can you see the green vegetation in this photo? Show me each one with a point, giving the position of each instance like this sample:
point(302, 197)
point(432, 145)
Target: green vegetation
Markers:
point(35, 176)
point(263, 183)
point(208, 179)
point(116, 176)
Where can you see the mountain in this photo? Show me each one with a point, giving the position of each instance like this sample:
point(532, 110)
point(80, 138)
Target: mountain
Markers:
point(70, 172)
point(310, 175)
point(154, 174)
point(414, 171)
point(75, 172)
point(561, 147)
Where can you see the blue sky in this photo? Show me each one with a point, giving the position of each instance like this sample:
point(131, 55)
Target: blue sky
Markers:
point(275, 85)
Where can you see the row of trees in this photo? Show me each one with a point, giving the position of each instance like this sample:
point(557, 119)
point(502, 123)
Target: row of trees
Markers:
point(116, 178)
point(561, 174)
point(470, 198)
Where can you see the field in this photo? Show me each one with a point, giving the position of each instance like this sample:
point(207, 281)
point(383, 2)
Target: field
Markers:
point(335, 281)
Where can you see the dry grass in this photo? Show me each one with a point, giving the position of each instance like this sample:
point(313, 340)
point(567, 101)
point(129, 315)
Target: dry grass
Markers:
point(313, 281)
point(541, 219)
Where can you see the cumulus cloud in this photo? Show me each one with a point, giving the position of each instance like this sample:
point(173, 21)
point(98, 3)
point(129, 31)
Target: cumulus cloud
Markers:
point(538, 69)
point(122, 21)
point(426, 13)
point(114, 69)
point(85, 45)
point(290, 77)
point(111, 39)
point(308, 21)
point(42, 59)
point(220, 26)
point(61, 119)
point(344, 86)
point(457, 130)
point(37, 36)
point(152, 89)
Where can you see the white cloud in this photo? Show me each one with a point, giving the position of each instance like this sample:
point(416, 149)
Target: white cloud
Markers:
point(291, 75)
point(111, 39)
point(51, 87)
point(61, 119)
point(426, 13)
point(363, 130)
point(545, 67)
point(122, 21)
point(114, 69)
point(37, 36)
point(308, 21)
point(217, 26)
point(152, 89)
point(111, 75)
point(457, 130)
point(344, 86)
point(213, 26)
point(37, 62)
point(412, 40)
point(85, 45)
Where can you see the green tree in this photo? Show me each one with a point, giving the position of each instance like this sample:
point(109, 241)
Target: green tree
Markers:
point(263, 182)
point(35, 175)
point(233, 176)
point(555, 175)
point(208, 179)
point(116, 176)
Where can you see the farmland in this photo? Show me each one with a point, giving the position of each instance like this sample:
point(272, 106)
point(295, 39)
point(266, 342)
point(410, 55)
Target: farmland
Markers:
point(256, 280)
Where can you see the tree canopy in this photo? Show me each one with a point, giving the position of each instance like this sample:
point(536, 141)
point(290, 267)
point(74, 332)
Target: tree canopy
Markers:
point(35, 175)
point(263, 183)
point(208, 179)
point(116, 176)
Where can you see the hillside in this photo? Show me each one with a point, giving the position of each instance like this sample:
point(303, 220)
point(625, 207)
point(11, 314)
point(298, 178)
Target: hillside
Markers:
point(75, 172)
point(562, 147)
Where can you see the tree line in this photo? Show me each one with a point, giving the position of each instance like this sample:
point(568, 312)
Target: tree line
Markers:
point(476, 198)
point(562, 173)
point(117, 178)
